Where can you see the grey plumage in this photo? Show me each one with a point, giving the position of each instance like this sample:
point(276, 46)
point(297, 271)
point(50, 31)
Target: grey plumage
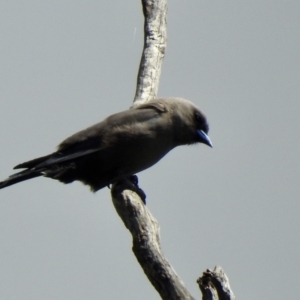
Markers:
point(123, 144)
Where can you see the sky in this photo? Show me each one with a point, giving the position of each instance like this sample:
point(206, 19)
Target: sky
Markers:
point(65, 65)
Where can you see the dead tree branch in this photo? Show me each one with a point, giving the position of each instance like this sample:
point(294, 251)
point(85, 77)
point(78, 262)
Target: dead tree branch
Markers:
point(214, 285)
point(146, 243)
point(128, 199)
point(155, 41)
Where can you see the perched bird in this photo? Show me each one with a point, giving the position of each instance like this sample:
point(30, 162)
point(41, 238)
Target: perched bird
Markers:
point(121, 145)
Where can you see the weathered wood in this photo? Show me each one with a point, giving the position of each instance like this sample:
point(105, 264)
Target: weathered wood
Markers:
point(214, 285)
point(135, 215)
point(155, 40)
point(128, 198)
point(146, 242)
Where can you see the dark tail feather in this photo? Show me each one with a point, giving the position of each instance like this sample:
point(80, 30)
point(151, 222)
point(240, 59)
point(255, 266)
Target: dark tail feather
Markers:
point(32, 163)
point(18, 177)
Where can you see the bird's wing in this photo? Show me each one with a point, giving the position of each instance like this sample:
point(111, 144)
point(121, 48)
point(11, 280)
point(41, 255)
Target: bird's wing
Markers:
point(55, 158)
point(89, 140)
point(158, 106)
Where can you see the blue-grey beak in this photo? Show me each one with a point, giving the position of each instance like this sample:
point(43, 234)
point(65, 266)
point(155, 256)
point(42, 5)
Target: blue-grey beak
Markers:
point(204, 138)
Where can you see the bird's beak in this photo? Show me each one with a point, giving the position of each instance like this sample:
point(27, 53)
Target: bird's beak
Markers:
point(204, 138)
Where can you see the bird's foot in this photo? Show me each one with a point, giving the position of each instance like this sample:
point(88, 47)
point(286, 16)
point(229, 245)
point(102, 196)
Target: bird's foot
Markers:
point(132, 181)
point(135, 181)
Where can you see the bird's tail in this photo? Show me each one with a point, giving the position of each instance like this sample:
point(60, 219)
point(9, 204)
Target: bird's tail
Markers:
point(29, 173)
point(18, 177)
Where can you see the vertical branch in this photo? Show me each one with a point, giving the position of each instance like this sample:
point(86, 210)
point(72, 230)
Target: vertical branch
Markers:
point(155, 40)
point(128, 198)
point(146, 243)
point(126, 194)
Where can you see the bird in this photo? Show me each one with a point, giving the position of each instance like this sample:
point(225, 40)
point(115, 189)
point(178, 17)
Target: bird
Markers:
point(121, 145)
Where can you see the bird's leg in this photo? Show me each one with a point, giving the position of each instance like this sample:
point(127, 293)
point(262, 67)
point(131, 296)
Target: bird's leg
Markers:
point(135, 181)
point(132, 181)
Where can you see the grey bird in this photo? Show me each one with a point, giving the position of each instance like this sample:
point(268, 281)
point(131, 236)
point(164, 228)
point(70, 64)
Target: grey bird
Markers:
point(121, 145)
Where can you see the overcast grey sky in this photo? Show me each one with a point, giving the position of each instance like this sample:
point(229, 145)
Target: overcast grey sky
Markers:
point(65, 65)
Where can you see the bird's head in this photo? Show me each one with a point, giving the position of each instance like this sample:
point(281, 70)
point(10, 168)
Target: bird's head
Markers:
point(191, 124)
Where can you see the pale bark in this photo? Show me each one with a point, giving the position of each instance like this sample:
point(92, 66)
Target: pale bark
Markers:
point(155, 40)
point(146, 242)
point(128, 198)
point(214, 285)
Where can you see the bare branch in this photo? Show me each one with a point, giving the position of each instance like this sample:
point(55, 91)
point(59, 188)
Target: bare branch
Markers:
point(129, 199)
point(146, 242)
point(214, 285)
point(125, 194)
point(155, 39)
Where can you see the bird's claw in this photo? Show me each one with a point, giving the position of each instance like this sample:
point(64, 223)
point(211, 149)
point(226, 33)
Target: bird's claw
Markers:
point(132, 181)
point(135, 181)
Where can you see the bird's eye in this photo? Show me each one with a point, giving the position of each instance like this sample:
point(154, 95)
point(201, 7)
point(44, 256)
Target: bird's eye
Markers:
point(201, 122)
point(198, 118)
